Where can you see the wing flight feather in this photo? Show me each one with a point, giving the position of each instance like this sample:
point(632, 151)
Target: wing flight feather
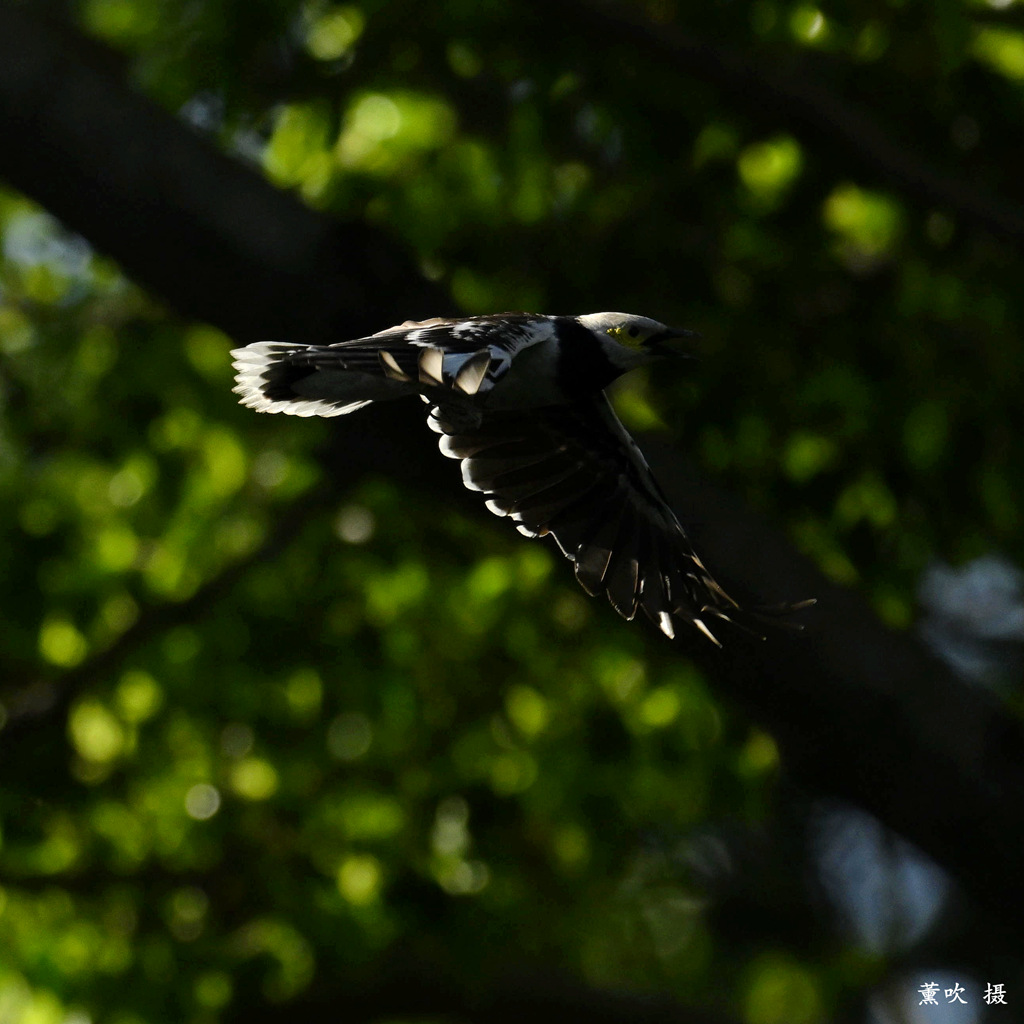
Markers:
point(574, 472)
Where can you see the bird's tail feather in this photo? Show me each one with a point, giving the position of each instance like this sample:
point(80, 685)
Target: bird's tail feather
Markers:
point(309, 380)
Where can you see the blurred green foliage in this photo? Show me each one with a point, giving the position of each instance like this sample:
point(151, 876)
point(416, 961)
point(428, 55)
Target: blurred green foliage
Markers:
point(394, 729)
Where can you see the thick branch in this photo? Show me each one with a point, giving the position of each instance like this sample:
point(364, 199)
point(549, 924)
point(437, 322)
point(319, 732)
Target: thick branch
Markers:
point(206, 233)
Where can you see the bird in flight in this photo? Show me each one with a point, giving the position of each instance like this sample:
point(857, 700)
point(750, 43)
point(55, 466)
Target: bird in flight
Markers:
point(519, 399)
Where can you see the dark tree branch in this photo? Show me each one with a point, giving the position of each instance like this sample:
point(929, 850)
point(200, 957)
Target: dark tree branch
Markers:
point(860, 711)
point(206, 233)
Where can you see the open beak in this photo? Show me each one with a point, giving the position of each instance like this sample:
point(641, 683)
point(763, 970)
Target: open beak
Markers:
point(673, 342)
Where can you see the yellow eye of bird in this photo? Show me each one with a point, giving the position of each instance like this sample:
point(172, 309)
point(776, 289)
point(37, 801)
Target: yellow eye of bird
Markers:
point(625, 335)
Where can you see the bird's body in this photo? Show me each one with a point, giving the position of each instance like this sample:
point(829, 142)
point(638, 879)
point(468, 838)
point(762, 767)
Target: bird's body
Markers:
point(518, 399)
point(507, 361)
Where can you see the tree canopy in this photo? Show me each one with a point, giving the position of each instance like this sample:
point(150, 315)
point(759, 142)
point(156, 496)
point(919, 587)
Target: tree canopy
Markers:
point(289, 723)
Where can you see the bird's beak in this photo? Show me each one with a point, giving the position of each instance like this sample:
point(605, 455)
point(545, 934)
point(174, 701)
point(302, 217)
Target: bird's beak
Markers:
point(674, 342)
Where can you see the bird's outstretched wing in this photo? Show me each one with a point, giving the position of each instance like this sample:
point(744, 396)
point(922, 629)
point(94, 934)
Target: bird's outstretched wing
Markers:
point(573, 471)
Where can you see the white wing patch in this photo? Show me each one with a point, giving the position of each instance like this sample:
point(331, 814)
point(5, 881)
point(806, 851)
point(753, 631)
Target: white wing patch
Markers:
point(471, 375)
point(391, 368)
point(431, 366)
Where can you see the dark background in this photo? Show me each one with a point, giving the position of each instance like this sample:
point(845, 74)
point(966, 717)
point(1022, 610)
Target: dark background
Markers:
point(293, 728)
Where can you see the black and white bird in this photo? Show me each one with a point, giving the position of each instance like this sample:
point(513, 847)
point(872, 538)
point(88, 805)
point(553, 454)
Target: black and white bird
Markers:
point(519, 399)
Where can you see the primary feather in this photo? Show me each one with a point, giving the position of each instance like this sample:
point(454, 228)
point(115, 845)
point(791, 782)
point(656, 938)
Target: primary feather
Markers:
point(518, 399)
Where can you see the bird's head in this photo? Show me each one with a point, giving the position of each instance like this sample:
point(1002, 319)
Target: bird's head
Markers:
point(642, 339)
